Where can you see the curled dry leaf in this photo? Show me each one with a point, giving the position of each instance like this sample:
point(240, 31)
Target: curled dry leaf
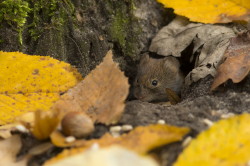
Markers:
point(156, 136)
point(100, 95)
point(212, 11)
point(29, 83)
point(9, 149)
point(225, 143)
point(172, 96)
point(237, 63)
point(59, 140)
point(209, 44)
point(44, 124)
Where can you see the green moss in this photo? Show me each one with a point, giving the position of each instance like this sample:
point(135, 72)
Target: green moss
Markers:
point(15, 12)
point(124, 29)
point(119, 28)
point(49, 13)
point(42, 13)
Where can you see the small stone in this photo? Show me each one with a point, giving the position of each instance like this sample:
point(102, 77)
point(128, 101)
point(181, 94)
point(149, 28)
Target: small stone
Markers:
point(208, 122)
point(228, 115)
point(95, 146)
point(191, 116)
point(161, 121)
point(115, 134)
point(186, 142)
point(127, 127)
point(70, 139)
point(218, 112)
point(22, 128)
point(115, 129)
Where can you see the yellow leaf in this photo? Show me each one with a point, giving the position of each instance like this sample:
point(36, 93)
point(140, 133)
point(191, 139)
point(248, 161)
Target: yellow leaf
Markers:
point(140, 140)
point(244, 3)
point(226, 143)
point(210, 11)
point(29, 83)
point(44, 124)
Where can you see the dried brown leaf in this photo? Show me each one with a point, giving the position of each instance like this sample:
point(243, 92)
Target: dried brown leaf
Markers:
point(100, 95)
point(209, 43)
point(237, 63)
point(9, 149)
point(172, 96)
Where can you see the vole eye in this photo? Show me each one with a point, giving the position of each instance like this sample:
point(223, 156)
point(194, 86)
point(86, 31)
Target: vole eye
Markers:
point(136, 81)
point(154, 82)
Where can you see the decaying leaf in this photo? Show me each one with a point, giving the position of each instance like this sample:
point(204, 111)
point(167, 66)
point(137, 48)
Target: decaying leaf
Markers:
point(9, 149)
point(141, 140)
point(209, 41)
point(111, 156)
point(29, 83)
point(225, 143)
point(100, 95)
point(212, 11)
point(237, 63)
point(44, 124)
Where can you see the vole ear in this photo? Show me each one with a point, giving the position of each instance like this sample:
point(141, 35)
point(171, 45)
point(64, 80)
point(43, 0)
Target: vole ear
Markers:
point(171, 63)
point(144, 58)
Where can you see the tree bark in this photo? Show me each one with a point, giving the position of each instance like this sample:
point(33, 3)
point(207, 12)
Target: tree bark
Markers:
point(82, 31)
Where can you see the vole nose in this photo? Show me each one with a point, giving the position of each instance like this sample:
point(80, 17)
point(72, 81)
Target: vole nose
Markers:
point(140, 97)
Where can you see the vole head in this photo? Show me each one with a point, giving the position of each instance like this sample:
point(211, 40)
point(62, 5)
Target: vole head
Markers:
point(154, 76)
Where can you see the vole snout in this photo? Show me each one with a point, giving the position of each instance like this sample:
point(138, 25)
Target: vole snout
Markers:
point(141, 94)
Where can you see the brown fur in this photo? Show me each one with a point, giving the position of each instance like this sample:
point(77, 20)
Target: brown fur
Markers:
point(167, 73)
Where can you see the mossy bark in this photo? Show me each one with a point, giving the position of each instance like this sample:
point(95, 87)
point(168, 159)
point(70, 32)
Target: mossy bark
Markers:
point(82, 31)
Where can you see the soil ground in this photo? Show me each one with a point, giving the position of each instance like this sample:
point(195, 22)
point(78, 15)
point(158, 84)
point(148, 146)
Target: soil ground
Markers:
point(198, 108)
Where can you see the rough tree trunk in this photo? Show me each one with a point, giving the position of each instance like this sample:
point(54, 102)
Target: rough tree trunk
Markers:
point(81, 31)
